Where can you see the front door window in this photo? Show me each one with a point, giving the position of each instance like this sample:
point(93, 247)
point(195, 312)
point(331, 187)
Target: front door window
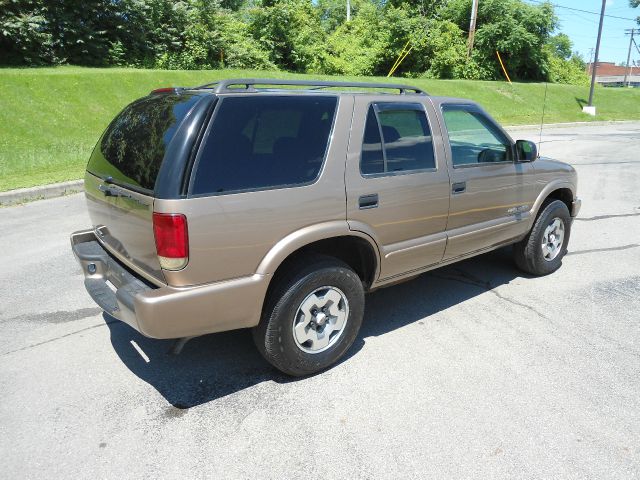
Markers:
point(473, 138)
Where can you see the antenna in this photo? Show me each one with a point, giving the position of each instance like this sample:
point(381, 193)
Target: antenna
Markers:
point(544, 106)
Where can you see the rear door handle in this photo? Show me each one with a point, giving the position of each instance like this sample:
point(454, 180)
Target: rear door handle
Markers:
point(368, 201)
point(459, 187)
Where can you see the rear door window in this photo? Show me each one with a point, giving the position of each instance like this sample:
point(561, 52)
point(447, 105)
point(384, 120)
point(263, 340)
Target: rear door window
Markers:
point(261, 142)
point(397, 138)
point(132, 148)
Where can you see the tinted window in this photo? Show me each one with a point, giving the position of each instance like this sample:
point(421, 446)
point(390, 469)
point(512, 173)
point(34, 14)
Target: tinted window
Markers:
point(407, 143)
point(265, 141)
point(372, 159)
point(473, 138)
point(133, 146)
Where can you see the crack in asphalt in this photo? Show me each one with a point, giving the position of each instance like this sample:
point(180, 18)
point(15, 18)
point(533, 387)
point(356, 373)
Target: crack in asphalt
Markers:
point(604, 217)
point(519, 304)
point(27, 347)
point(469, 279)
point(606, 249)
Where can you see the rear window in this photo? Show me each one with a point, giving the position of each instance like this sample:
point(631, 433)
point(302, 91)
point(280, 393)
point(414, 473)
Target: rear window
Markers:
point(262, 142)
point(133, 146)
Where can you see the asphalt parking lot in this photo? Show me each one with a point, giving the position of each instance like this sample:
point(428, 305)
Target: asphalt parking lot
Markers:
point(470, 371)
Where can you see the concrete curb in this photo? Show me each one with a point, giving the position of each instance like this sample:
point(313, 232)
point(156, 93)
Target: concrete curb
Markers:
point(22, 195)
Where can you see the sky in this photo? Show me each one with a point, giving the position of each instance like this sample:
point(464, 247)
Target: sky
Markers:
point(582, 28)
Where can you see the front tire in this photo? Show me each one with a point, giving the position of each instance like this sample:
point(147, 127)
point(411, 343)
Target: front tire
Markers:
point(311, 316)
point(542, 250)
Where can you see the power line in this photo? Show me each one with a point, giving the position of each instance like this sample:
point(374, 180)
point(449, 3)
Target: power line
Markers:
point(583, 11)
point(575, 16)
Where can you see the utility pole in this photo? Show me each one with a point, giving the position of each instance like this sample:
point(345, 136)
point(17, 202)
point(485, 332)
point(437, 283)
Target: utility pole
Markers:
point(472, 25)
point(590, 109)
point(348, 10)
point(627, 72)
point(590, 65)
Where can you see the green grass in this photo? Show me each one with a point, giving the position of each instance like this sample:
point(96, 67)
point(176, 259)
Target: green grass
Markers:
point(50, 118)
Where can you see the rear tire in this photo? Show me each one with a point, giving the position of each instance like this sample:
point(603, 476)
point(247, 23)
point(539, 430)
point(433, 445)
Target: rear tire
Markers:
point(542, 250)
point(311, 316)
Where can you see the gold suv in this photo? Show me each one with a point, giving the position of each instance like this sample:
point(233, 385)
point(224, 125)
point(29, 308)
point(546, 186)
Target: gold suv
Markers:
point(276, 205)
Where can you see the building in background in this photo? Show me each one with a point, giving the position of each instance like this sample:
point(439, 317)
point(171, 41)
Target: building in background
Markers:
point(609, 74)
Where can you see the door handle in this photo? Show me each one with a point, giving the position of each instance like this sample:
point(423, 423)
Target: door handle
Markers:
point(459, 187)
point(368, 201)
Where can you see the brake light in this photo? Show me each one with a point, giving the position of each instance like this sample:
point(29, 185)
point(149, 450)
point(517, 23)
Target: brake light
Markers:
point(172, 240)
point(166, 90)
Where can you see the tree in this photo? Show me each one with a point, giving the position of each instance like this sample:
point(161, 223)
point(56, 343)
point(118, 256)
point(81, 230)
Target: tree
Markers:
point(333, 13)
point(24, 38)
point(356, 47)
point(291, 31)
point(310, 36)
point(425, 8)
point(564, 66)
point(215, 39)
point(82, 31)
point(517, 30)
point(561, 45)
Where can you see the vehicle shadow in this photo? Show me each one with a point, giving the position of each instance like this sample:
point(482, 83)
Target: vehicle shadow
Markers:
point(213, 366)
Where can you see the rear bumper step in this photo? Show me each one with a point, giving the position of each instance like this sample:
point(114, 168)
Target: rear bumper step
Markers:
point(166, 312)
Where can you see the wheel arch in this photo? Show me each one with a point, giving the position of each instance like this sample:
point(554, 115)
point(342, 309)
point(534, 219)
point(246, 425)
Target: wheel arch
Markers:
point(558, 190)
point(356, 249)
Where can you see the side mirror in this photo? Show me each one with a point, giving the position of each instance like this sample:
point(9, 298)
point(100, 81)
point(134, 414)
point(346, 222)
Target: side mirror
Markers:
point(526, 151)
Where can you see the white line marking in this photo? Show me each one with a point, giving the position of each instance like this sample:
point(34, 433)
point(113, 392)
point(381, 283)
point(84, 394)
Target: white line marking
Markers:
point(142, 354)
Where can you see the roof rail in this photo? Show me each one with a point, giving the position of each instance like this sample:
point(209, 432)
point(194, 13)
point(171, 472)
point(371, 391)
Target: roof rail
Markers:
point(225, 86)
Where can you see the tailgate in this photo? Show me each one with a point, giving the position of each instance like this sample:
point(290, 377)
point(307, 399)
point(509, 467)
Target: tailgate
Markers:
point(122, 173)
point(123, 221)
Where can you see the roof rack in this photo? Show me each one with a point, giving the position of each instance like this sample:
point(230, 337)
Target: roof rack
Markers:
point(249, 84)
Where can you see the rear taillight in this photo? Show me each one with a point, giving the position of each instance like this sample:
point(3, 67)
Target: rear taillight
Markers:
point(172, 240)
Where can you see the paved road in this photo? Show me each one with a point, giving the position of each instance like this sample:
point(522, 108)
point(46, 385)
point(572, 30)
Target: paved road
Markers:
point(471, 371)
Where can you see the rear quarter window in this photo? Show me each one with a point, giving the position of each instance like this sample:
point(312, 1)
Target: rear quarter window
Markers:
point(132, 148)
point(262, 142)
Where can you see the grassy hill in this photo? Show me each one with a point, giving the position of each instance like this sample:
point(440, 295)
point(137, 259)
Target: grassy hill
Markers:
point(50, 118)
